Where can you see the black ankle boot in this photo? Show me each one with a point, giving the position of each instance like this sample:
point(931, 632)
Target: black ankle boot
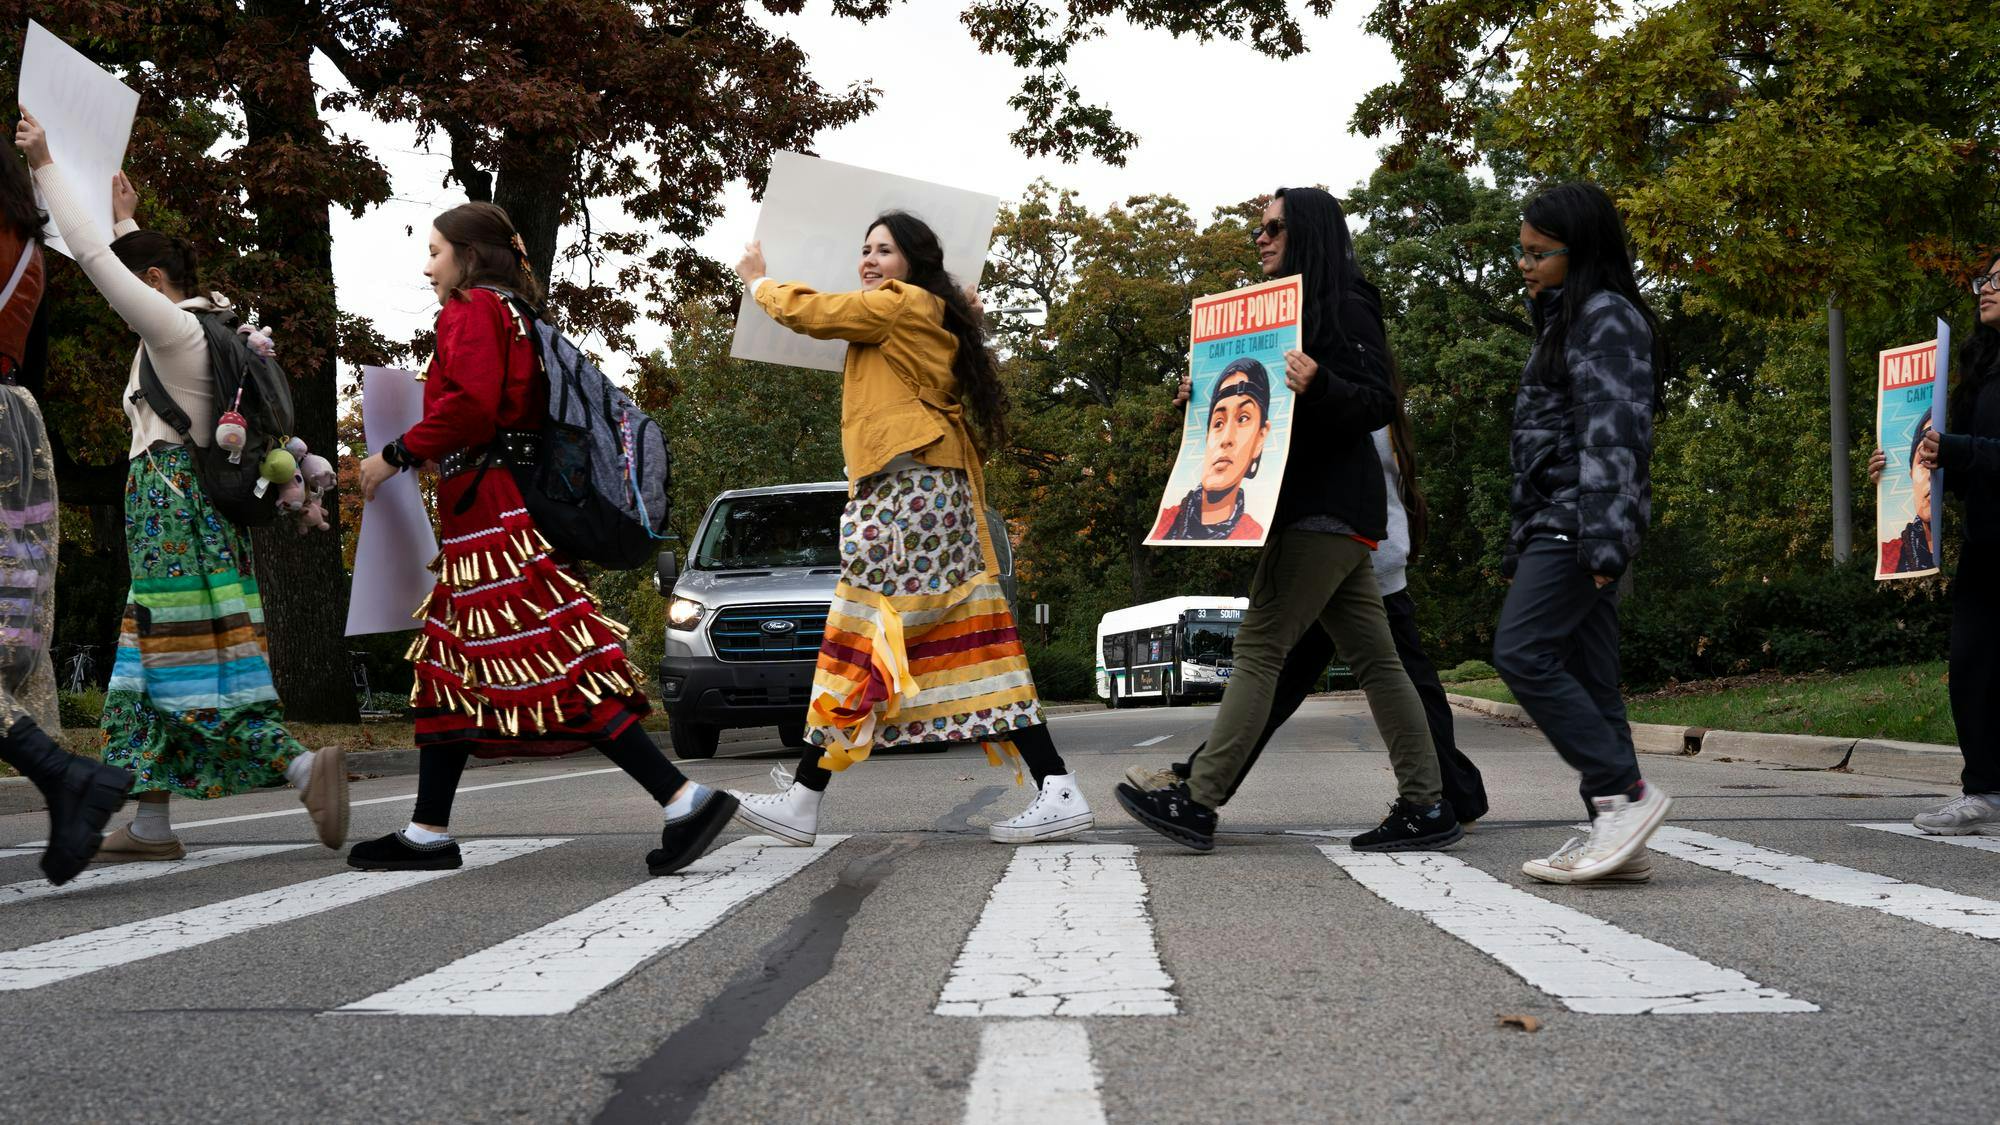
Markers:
point(81, 795)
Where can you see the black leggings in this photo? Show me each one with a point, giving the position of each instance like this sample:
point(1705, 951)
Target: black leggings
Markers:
point(439, 769)
point(1037, 749)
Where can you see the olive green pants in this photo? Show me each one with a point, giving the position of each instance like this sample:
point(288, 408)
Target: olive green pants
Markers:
point(1303, 577)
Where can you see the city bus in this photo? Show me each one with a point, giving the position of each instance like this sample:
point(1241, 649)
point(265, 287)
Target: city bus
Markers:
point(1174, 650)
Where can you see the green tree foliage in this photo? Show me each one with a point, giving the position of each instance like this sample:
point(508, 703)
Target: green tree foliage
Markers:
point(1092, 377)
point(1437, 242)
point(1766, 154)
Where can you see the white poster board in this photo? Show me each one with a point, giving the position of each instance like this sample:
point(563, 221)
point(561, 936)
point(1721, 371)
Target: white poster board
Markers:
point(391, 560)
point(816, 212)
point(87, 113)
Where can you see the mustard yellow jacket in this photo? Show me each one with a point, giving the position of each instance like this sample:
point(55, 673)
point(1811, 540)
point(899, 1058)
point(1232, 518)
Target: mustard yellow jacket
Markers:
point(898, 393)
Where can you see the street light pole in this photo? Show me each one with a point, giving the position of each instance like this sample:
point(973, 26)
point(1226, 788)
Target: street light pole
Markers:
point(1836, 361)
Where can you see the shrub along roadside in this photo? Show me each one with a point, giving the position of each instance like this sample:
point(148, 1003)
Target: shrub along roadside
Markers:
point(1835, 620)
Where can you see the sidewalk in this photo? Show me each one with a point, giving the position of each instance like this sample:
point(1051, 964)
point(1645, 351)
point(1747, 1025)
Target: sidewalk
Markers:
point(1910, 761)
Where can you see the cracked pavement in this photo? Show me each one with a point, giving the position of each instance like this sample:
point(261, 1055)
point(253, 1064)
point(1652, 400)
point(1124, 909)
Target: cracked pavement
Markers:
point(1262, 982)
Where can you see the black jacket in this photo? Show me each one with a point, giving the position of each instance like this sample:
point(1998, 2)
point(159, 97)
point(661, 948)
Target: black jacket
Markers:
point(1582, 448)
point(1332, 469)
point(1971, 464)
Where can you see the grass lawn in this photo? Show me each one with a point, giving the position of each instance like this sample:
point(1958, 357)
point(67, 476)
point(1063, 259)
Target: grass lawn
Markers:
point(1904, 702)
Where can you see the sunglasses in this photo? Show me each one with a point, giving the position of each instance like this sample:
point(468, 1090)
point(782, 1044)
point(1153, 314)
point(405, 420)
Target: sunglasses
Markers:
point(1272, 229)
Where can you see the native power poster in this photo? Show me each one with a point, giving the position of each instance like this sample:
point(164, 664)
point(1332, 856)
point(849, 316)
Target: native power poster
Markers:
point(88, 114)
point(1910, 397)
point(1224, 487)
point(816, 212)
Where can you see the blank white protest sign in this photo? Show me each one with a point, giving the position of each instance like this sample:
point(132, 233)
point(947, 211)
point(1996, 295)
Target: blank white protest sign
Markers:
point(392, 556)
point(88, 114)
point(816, 213)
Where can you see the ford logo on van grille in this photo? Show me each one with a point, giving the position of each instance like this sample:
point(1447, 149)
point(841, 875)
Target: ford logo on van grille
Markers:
point(768, 634)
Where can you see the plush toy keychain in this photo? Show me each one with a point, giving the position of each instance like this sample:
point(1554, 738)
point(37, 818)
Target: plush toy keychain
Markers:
point(232, 431)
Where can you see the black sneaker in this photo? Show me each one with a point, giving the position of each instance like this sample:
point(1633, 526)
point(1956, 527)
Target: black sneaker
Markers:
point(1171, 812)
point(1412, 828)
point(397, 852)
point(685, 838)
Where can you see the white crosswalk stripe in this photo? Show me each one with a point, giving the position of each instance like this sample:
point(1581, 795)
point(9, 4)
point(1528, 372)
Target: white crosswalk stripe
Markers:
point(1034, 1072)
point(1904, 828)
point(1588, 964)
point(30, 889)
point(63, 958)
point(1830, 882)
point(10, 853)
point(1065, 933)
point(553, 969)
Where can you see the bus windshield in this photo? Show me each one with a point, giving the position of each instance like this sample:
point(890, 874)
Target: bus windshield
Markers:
point(1210, 642)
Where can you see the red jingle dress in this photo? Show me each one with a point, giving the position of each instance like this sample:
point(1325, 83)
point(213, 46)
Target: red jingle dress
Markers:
point(514, 657)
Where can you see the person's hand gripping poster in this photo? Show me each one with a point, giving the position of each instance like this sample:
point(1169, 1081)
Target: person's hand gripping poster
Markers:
point(1224, 487)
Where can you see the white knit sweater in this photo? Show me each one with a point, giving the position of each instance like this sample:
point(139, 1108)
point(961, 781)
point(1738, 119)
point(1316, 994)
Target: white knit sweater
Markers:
point(169, 332)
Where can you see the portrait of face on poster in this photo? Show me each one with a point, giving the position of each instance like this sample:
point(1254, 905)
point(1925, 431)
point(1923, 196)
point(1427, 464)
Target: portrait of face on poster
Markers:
point(1910, 398)
point(1224, 487)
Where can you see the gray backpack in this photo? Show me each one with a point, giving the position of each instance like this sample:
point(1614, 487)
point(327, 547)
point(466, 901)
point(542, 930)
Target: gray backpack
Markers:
point(595, 477)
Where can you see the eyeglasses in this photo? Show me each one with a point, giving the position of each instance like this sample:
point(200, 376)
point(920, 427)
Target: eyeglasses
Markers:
point(1984, 282)
point(1522, 254)
point(1272, 229)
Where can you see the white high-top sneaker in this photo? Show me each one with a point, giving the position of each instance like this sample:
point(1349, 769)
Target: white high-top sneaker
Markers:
point(1057, 813)
point(791, 814)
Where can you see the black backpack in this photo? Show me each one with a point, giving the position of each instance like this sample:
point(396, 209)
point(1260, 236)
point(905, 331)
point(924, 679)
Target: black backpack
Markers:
point(596, 476)
point(255, 387)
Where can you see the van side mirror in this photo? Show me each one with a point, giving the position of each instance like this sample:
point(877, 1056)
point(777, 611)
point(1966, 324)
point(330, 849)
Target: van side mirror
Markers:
point(665, 570)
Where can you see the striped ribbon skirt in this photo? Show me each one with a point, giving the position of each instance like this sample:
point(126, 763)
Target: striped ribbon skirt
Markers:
point(920, 644)
point(191, 708)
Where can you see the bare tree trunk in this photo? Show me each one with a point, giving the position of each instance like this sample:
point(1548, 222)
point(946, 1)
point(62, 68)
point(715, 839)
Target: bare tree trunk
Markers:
point(304, 584)
point(531, 187)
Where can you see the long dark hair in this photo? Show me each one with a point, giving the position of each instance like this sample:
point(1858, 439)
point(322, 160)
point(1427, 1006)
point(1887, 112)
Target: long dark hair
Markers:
point(1320, 250)
point(17, 201)
point(488, 250)
point(1978, 365)
point(142, 250)
point(1403, 444)
point(978, 376)
point(1582, 217)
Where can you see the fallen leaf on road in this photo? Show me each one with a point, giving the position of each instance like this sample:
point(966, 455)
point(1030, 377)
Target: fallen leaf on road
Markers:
point(1525, 1023)
point(967, 777)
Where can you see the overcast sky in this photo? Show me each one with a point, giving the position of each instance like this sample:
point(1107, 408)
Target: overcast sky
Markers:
point(1216, 124)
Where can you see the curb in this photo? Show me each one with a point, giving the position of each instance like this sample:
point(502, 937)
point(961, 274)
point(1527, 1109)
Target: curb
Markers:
point(1909, 761)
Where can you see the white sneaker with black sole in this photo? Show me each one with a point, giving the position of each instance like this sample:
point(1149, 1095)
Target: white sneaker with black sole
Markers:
point(1618, 833)
point(791, 814)
point(1057, 813)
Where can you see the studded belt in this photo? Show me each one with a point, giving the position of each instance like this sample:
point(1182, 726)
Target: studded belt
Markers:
point(508, 447)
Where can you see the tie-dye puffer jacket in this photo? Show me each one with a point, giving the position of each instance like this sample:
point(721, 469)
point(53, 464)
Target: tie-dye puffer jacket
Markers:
point(1583, 435)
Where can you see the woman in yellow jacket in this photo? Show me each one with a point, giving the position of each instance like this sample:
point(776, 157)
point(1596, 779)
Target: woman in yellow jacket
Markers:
point(920, 645)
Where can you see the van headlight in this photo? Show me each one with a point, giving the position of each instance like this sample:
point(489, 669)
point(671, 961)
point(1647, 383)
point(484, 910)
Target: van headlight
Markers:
point(684, 613)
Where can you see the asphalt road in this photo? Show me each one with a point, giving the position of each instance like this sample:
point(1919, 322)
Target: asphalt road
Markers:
point(1285, 986)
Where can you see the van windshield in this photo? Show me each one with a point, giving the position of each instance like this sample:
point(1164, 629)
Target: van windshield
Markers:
point(801, 529)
